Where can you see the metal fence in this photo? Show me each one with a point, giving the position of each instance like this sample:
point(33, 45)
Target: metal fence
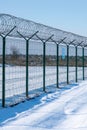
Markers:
point(34, 63)
point(28, 70)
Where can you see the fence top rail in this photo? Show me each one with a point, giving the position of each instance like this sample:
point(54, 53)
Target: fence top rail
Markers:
point(27, 28)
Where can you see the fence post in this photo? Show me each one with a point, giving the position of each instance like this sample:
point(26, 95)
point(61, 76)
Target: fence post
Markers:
point(76, 64)
point(44, 58)
point(83, 61)
point(44, 71)
point(57, 65)
point(27, 52)
point(3, 73)
point(67, 64)
point(27, 57)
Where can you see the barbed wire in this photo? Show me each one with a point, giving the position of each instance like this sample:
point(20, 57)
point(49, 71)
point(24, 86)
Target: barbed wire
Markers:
point(27, 28)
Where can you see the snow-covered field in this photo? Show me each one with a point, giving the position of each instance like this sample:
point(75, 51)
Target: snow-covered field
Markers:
point(61, 109)
point(15, 85)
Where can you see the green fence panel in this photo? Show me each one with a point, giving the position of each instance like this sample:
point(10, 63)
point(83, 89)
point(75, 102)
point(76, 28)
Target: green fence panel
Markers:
point(15, 66)
point(51, 65)
point(62, 64)
point(80, 64)
point(71, 64)
point(35, 67)
point(0, 71)
point(85, 63)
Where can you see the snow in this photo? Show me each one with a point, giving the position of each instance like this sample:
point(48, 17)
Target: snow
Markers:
point(61, 109)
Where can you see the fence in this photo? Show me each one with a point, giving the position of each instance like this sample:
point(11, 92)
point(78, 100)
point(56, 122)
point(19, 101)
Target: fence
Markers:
point(24, 75)
point(32, 64)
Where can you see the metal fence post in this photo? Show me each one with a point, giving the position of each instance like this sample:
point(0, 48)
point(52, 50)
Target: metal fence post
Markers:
point(44, 58)
point(27, 53)
point(27, 57)
point(3, 73)
point(57, 65)
point(44, 71)
point(3, 66)
point(83, 61)
point(76, 64)
point(67, 64)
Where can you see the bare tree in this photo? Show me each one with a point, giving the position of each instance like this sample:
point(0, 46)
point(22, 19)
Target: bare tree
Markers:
point(14, 52)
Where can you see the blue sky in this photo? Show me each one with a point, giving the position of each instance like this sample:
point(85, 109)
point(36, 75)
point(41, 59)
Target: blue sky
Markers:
point(68, 15)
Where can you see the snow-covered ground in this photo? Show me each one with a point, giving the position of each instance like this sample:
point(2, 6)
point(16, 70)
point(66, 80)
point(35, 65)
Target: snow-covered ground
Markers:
point(15, 83)
point(61, 109)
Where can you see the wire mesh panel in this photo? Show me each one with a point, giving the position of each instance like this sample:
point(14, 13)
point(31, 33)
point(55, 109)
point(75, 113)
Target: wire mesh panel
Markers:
point(0, 71)
point(51, 62)
point(62, 64)
point(79, 62)
point(15, 66)
point(35, 67)
point(85, 63)
point(71, 64)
